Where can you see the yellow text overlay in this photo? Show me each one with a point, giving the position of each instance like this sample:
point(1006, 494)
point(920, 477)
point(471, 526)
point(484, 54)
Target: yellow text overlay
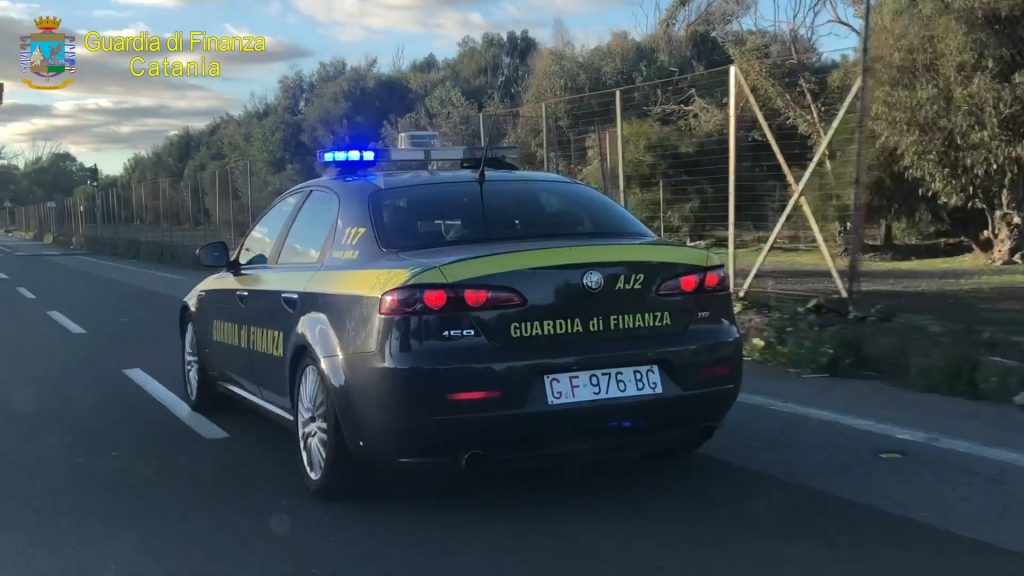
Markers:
point(194, 54)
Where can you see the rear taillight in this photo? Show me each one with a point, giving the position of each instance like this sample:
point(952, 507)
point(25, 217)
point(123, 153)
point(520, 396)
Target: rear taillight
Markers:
point(439, 299)
point(713, 280)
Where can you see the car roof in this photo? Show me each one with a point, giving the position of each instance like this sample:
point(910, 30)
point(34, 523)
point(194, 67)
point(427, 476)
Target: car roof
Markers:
point(404, 178)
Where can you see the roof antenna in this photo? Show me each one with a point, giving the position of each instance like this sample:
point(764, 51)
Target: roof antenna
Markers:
point(481, 175)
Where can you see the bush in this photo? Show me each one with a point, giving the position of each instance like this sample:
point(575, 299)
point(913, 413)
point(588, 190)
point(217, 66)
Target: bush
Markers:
point(921, 355)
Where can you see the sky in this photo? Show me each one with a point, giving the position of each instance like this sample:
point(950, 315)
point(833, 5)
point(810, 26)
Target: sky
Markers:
point(106, 114)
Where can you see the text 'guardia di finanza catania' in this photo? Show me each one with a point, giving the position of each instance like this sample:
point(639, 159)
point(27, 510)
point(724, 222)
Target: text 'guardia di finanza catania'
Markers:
point(181, 60)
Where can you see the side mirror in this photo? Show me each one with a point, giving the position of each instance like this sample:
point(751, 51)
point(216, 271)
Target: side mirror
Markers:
point(213, 254)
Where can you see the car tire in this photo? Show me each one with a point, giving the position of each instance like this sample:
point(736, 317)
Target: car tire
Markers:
point(201, 393)
point(328, 468)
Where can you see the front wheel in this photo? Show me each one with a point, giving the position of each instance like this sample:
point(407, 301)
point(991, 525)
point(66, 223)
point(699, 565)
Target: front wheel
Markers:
point(328, 468)
point(200, 393)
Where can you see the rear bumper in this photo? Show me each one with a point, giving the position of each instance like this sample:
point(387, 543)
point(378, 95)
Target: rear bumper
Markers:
point(590, 430)
point(392, 413)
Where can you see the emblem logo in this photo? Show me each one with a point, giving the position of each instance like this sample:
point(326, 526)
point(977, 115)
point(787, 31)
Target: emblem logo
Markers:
point(47, 55)
point(593, 281)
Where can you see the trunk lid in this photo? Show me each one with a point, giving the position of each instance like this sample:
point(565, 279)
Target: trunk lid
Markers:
point(577, 292)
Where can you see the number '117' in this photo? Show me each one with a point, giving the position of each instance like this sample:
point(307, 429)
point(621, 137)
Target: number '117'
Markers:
point(353, 234)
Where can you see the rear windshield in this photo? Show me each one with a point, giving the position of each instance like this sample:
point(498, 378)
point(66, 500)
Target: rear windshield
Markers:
point(441, 214)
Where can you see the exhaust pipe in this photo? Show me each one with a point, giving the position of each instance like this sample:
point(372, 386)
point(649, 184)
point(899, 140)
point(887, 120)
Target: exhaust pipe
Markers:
point(472, 460)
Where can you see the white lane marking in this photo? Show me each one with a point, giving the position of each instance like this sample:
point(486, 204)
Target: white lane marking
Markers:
point(26, 293)
point(259, 402)
point(867, 425)
point(3, 276)
point(66, 322)
point(137, 269)
point(6, 249)
point(196, 421)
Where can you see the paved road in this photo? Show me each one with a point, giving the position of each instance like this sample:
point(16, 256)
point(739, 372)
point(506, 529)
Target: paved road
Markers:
point(98, 477)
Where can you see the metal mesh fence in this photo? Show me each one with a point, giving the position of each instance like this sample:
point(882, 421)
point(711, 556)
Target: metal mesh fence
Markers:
point(172, 212)
point(757, 161)
point(662, 149)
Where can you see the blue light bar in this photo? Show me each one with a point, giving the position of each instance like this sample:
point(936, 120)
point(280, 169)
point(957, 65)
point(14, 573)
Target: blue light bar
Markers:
point(360, 156)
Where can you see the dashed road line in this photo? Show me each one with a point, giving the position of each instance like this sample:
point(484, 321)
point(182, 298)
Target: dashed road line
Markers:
point(26, 293)
point(196, 421)
point(66, 322)
point(137, 269)
point(937, 440)
point(3, 276)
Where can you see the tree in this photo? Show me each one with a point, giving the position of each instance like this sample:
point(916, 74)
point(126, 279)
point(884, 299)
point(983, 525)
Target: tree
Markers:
point(949, 97)
point(445, 111)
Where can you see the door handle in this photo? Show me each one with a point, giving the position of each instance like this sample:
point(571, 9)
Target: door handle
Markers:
point(241, 295)
point(290, 301)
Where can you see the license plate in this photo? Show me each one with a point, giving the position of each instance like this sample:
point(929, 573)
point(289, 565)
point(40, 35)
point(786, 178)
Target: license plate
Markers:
point(588, 385)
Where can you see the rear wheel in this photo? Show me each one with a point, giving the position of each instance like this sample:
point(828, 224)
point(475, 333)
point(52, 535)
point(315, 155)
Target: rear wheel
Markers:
point(328, 468)
point(200, 393)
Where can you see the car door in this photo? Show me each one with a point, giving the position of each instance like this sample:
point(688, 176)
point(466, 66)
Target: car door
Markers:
point(242, 286)
point(276, 297)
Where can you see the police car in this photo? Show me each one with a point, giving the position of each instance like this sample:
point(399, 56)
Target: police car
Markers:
point(475, 314)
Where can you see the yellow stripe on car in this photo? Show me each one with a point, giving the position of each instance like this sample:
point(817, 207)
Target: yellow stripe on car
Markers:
point(548, 257)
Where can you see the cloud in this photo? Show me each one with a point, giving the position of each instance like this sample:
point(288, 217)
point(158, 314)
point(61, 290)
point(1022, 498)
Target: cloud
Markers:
point(130, 30)
point(97, 124)
point(576, 6)
point(161, 3)
point(21, 11)
point(110, 14)
point(354, 20)
point(274, 8)
point(105, 109)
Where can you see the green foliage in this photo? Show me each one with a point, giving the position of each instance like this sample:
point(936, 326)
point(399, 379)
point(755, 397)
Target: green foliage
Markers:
point(950, 98)
point(942, 359)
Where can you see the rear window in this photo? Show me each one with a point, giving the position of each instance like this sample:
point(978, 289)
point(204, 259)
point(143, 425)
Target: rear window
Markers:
point(433, 215)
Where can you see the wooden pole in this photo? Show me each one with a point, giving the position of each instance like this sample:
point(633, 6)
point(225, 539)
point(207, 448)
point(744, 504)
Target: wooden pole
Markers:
point(618, 141)
point(797, 188)
point(733, 110)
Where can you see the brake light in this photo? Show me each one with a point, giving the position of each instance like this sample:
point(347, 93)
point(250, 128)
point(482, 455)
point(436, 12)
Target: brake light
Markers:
point(440, 299)
point(435, 298)
point(713, 280)
point(475, 298)
point(689, 283)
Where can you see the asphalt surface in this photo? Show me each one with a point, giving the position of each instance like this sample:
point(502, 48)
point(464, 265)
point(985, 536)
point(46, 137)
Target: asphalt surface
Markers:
point(98, 477)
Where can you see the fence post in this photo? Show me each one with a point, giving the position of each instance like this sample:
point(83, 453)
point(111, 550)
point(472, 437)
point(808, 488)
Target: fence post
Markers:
point(189, 182)
point(733, 111)
point(602, 152)
point(544, 131)
point(483, 134)
point(618, 141)
point(661, 205)
point(231, 207)
point(99, 213)
point(160, 197)
point(248, 190)
point(202, 202)
point(216, 175)
point(857, 231)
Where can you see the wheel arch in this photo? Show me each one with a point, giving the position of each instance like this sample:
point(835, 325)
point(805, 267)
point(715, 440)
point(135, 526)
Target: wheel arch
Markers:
point(314, 333)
